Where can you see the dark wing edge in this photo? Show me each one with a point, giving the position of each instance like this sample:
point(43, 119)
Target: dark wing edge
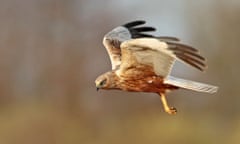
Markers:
point(138, 32)
point(168, 38)
point(114, 38)
point(188, 54)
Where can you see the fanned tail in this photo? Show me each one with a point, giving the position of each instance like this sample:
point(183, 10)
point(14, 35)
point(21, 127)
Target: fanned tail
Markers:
point(191, 85)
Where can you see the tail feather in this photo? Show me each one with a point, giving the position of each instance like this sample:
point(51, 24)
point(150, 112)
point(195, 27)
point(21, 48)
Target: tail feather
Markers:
point(191, 85)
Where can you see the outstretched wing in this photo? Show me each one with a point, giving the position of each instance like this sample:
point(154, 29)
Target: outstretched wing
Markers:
point(114, 38)
point(146, 56)
point(191, 85)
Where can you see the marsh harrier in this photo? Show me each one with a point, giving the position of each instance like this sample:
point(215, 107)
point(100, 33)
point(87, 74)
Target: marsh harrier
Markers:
point(142, 62)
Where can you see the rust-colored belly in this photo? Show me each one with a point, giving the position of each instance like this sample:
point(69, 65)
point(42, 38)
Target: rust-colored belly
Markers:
point(147, 84)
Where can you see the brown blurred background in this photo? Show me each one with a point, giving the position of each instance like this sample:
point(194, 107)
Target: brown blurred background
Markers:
point(51, 52)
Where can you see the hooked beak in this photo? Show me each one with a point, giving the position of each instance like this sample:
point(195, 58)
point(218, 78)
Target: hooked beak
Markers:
point(98, 88)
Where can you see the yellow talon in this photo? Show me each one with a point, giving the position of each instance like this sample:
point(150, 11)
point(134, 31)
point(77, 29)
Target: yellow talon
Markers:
point(169, 110)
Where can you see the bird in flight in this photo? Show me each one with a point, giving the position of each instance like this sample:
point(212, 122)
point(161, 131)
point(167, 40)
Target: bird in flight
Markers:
point(142, 62)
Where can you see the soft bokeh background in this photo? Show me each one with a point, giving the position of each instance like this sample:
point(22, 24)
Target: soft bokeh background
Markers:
point(51, 52)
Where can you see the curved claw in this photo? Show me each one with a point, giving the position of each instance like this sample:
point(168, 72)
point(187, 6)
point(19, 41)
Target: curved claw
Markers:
point(169, 110)
point(172, 111)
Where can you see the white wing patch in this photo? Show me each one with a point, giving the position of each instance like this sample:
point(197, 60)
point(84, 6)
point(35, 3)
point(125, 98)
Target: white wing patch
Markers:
point(151, 52)
point(191, 85)
point(161, 55)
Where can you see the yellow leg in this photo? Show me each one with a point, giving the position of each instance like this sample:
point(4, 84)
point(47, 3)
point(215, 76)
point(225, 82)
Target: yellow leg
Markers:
point(169, 110)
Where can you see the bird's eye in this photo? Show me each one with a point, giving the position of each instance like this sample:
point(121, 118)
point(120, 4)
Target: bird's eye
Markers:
point(103, 82)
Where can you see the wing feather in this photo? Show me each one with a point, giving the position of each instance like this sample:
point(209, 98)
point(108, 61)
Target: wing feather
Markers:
point(191, 85)
point(144, 29)
point(149, 52)
point(168, 38)
point(134, 23)
point(188, 55)
point(114, 38)
point(158, 54)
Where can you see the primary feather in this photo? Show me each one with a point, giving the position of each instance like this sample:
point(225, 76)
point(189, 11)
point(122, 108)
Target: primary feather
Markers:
point(113, 39)
point(160, 55)
point(190, 85)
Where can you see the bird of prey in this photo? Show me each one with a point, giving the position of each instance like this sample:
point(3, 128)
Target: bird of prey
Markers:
point(142, 62)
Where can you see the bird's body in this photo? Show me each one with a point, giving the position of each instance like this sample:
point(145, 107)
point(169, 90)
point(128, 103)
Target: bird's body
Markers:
point(143, 62)
point(151, 83)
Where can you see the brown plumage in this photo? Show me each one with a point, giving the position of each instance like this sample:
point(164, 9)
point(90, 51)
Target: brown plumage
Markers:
point(142, 62)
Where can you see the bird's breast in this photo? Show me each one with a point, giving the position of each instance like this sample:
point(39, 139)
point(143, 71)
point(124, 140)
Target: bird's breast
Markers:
point(146, 84)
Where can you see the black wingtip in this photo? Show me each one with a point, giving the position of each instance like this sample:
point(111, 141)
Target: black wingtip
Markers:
point(168, 38)
point(145, 29)
point(134, 23)
point(138, 31)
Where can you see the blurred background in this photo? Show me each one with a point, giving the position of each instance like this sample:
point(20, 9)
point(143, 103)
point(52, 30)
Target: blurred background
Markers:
point(51, 52)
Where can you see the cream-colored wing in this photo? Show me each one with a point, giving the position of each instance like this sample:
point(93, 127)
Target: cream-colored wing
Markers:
point(190, 85)
point(157, 54)
point(114, 38)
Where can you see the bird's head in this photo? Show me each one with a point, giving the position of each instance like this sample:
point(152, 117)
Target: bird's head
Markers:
point(105, 81)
